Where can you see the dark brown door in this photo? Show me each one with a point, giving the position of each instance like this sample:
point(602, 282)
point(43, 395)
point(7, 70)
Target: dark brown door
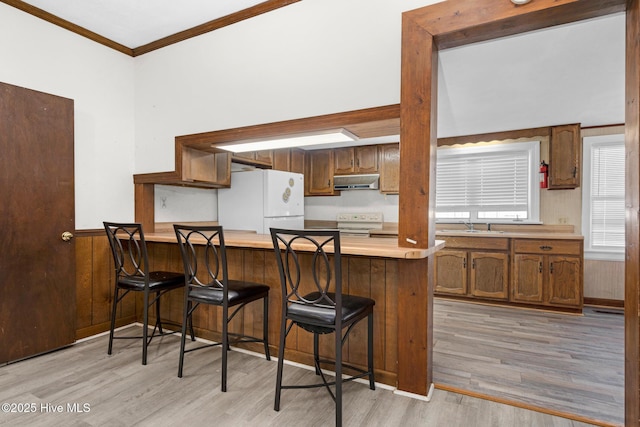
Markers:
point(37, 267)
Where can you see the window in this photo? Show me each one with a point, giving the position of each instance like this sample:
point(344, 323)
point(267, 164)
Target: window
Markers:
point(603, 208)
point(488, 183)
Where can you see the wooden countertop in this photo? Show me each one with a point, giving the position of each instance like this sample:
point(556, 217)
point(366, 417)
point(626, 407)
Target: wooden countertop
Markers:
point(511, 234)
point(371, 246)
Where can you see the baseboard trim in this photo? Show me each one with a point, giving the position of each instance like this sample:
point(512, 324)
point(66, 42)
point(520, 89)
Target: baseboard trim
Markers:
point(603, 302)
point(525, 406)
point(416, 396)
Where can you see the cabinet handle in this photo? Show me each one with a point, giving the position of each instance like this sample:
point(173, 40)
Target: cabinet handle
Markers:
point(546, 248)
point(540, 268)
point(464, 263)
point(329, 183)
point(551, 268)
point(575, 171)
point(473, 264)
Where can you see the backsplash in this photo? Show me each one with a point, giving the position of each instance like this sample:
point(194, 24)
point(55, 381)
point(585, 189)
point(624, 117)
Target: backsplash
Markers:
point(327, 207)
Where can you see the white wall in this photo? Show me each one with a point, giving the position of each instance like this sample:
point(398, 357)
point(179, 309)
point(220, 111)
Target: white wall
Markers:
point(41, 56)
point(310, 58)
point(325, 56)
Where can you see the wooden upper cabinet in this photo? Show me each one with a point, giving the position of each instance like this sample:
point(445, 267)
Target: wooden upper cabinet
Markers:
point(362, 159)
point(289, 159)
point(390, 168)
point(282, 159)
point(262, 158)
point(564, 157)
point(345, 162)
point(319, 172)
point(296, 160)
point(206, 168)
point(367, 159)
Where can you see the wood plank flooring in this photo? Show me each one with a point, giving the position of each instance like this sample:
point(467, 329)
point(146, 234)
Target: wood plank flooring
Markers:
point(567, 363)
point(122, 392)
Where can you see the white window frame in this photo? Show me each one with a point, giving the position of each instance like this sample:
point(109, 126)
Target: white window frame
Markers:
point(598, 253)
point(533, 152)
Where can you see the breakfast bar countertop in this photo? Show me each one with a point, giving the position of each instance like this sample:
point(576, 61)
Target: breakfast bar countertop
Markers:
point(372, 246)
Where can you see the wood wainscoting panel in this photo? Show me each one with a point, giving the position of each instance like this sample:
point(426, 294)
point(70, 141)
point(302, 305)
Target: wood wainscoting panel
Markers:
point(371, 277)
point(94, 286)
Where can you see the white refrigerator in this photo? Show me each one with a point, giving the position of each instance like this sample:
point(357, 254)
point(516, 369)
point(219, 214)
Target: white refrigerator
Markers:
point(260, 199)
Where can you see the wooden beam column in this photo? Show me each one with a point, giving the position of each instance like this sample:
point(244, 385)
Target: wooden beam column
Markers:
point(632, 224)
point(418, 138)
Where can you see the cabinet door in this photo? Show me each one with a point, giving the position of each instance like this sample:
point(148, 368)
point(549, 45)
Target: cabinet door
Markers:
point(247, 155)
point(564, 157)
point(390, 168)
point(281, 160)
point(565, 277)
point(528, 278)
point(489, 275)
point(367, 159)
point(265, 157)
point(451, 272)
point(320, 172)
point(344, 161)
point(296, 160)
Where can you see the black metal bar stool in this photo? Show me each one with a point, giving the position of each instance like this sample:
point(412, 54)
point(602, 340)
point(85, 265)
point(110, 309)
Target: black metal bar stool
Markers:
point(310, 265)
point(207, 282)
point(129, 250)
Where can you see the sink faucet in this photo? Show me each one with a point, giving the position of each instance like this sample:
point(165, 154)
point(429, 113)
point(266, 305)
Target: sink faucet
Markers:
point(469, 224)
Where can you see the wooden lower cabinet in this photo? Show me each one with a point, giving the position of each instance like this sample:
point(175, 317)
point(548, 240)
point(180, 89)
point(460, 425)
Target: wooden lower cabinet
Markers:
point(489, 275)
point(451, 272)
point(550, 275)
point(477, 273)
point(535, 272)
point(528, 280)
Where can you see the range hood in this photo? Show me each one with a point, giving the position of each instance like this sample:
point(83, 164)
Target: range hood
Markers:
point(356, 182)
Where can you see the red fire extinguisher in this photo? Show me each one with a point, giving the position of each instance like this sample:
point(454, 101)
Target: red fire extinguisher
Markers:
point(544, 174)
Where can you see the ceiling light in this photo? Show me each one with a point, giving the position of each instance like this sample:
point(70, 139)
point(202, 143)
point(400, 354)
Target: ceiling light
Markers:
point(294, 140)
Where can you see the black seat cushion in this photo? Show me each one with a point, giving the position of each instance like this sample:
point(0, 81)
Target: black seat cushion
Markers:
point(322, 319)
point(157, 280)
point(239, 292)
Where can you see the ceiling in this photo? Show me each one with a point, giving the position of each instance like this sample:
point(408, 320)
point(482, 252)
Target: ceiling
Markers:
point(136, 23)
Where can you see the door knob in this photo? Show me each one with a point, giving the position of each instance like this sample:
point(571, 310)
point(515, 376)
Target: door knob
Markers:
point(66, 236)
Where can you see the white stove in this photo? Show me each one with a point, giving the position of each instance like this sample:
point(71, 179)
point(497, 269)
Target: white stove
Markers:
point(359, 224)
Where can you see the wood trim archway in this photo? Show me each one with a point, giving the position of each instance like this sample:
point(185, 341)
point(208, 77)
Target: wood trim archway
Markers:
point(455, 23)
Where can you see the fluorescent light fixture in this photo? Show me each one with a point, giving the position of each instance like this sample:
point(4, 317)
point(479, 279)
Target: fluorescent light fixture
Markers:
point(294, 140)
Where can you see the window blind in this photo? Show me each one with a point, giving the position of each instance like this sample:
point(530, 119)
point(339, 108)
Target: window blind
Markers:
point(492, 181)
point(607, 195)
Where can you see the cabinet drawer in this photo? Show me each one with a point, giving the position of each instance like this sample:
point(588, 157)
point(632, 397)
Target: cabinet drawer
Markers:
point(495, 243)
point(534, 246)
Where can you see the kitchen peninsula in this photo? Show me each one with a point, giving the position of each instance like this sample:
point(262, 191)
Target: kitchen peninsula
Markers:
point(404, 347)
point(370, 268)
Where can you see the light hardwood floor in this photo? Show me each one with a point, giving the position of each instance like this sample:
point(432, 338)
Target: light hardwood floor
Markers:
point(122, 392)
point(566, 363)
